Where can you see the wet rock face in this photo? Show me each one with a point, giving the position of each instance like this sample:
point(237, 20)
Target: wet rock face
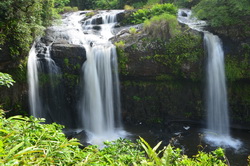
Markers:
point(68, 57)
point(155, 93)
point(157, 102)
point(140, 64)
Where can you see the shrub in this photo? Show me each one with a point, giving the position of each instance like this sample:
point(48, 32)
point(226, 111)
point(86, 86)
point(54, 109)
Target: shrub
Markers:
point(25, 141)
point(69, 9)
point(132, 30)
point(152, 2)
point(162, 27)
point(143, 14)
point(104, 4)
point(127, 7)
point(120, 44)
point(90, 14)
point(223, 12)
point(138, 5)
point(122, 57)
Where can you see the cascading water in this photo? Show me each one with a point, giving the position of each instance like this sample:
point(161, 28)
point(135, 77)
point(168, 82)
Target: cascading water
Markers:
point(101, 99)
point(218, 130)
point(45, 91)
point(34, 96)
point(99, 105)
point(217, 106)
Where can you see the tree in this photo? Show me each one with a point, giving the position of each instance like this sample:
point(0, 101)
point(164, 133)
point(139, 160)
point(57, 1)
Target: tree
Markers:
point(23, 20)
point(223, 12)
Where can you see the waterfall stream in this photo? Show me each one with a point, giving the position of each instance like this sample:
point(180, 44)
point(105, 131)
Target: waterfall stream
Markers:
point(218, 128)
point(99, 111)
point(217, 107)
point(34, 96)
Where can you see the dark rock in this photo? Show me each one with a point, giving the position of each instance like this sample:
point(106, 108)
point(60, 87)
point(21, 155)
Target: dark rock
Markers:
point(96, 27)
point(4, 54)
point(48, 38)
point(75, 55)
point(117, 25)
point(39, 55)
point(183, 14)
point(83, 13)
point(61, 41)
point(120, 16)
point(97, 21)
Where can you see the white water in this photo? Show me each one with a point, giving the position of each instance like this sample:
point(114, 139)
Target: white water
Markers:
point(34, 96)
point(99, 107)
point(218, 128)
point(101, 99)
point(217, 106)
point(40, 98)
point(185, 17)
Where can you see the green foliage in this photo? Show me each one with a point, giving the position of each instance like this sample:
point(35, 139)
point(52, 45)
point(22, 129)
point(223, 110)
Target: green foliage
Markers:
point(128, 7)
point(71, 79)
point(138, 5)
point(162, 27)
point(21, 22)
point(230, 13)
point(107, 4)
point(163, 77)
point(19, 73)
point(6, 80)
point(122, 57)
point(143, 14)
point(120, 44)
point(237, 66)
point(132, 31)
point(121, 152)
point(25, 141)
point(66, 62)
point(59, 4)
point(69, 9)
point(183, 51)
point(152, 2)
point(184, 3)
point(90, 14)
point(173, 157)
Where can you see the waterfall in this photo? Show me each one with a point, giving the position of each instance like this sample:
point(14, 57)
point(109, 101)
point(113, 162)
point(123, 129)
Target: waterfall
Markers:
point(218, 129)
point(34, 96)
point(45, 89)
point(99, 90)
point(100, 104)
point(217, 107)
point(99, 109)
